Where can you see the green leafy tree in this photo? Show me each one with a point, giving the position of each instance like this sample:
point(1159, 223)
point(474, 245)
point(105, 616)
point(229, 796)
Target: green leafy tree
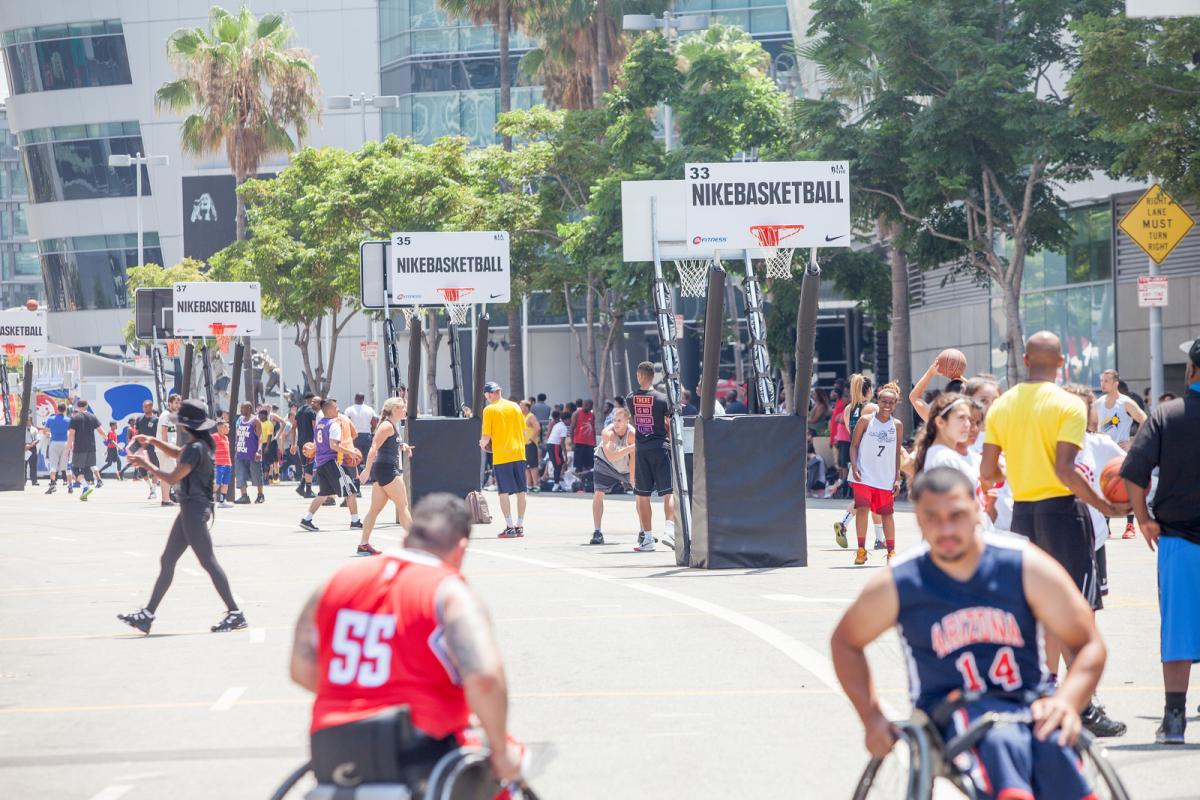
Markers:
point(244, 88)
point(1141, 79)
point(985, 136)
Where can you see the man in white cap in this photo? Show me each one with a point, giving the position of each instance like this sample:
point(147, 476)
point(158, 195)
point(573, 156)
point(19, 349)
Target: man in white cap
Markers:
point(504, 434)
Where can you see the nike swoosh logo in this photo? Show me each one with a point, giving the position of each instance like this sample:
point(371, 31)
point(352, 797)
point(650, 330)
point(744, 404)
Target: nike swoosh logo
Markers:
point(496, 295)
point(829, 238)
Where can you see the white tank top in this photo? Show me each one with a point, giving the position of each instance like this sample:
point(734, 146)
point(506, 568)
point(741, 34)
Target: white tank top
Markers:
point(1115, 420)
point(877, 454)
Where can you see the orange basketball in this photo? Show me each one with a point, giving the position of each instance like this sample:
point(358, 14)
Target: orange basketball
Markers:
point(1111, 483)
point(309, 449)
point(352, 459)
point(31, 304)
point(951, 363)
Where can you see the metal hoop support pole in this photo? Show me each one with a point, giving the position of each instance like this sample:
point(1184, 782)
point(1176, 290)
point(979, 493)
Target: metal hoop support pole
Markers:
point(664, 314)
point(391, 358)
point(206, 373)
point(5, 392)
point(759, 356)
point(806, 334)
point(160, 377)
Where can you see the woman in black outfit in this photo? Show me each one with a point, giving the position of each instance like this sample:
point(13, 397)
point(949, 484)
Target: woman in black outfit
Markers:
point(384, 465)
point(194, 475)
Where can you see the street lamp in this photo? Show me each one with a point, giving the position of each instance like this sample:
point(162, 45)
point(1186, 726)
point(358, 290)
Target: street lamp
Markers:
point(137, 162)
point(671, 25)
point(340, 102)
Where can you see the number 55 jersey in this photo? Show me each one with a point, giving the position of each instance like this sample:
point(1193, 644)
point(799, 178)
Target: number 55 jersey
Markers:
point(380, 645)
point(978, 635)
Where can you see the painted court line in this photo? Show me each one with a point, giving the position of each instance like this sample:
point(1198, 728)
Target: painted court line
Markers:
point(226, 701)
point(795, 598)
point(131, 553)
point(112, 792)
point(807, 658)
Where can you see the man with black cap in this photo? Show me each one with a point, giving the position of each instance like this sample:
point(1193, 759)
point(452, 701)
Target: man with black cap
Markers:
point(193, 474)
point(504, 434)
point(1167, 443)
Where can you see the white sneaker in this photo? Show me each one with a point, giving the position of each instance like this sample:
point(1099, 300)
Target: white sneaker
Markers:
point(668, 538)
point(646, 545)
point(153, 494)
point(223, 504)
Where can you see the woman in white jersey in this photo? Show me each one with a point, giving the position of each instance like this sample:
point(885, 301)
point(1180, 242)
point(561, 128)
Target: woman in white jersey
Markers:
point(875, 469)
point(859, 406)
point(945, 442)
point(1115, 415)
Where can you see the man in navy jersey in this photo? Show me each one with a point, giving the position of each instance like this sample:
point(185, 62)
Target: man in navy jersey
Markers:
point(970, 608)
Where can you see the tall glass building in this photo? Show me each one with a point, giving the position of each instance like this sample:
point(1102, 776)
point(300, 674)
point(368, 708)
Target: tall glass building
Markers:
point(447, 72)
point(20, 275)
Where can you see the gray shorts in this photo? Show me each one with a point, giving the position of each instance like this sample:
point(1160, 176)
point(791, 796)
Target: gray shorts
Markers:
point(249, 471)
point(56, 457)
point(605, 478)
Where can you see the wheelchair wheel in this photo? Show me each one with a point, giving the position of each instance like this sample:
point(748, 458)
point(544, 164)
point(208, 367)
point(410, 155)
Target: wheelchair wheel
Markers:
point(1099, 771)
point(291, 781)
point(463, 774)
point(906, 773)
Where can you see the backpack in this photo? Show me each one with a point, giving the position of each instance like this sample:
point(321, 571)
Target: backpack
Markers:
point(477, 505)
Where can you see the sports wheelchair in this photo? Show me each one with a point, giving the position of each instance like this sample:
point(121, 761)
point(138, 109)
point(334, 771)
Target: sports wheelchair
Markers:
point(921, 766)
point(462, 774)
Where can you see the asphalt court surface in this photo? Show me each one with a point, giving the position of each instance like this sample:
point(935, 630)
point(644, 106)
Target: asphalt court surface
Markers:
point(629, 676)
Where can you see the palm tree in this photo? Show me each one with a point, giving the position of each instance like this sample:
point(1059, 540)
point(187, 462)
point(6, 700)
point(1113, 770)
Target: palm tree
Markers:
point(244, 88)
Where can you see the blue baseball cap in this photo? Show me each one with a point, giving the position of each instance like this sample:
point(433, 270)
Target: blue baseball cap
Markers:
point(491, 386)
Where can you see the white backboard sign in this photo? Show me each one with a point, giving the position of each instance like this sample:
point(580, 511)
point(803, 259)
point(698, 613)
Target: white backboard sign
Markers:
point(473, 265)
point(745, 205)
point(1162, 8)
point(198, 306)
point(1153, 291)
point(637, 199)
point(23, 327)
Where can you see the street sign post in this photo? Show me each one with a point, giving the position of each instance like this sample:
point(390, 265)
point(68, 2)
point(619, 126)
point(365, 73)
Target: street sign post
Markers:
point(1152, 291)
point(199, 306)
point(368, 350)
point(1157, 223)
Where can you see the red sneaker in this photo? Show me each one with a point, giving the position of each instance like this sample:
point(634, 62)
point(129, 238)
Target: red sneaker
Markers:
point(1129, 533)
point(366, 550)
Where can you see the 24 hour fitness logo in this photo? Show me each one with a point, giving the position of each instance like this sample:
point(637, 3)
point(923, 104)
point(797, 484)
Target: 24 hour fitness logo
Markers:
point(709, 240)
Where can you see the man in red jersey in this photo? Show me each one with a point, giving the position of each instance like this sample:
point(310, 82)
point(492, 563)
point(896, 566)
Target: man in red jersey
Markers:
point(403, 630)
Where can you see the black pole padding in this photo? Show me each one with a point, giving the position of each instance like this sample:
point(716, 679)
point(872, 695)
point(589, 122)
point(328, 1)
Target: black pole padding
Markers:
point(251, 386)
point(26, 393)
point(189, 356)
point(235, 380)
point(714, 317)
point(414, 365)
point(479, 367)
point(806, 337)
point(210, 397)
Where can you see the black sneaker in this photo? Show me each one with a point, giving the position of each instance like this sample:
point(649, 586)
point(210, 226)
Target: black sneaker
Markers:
point(300, 489)
point(51, 489)
point(260, 499)
point(342, 504)
point(1101, 724)
point(99, 483)
point(1173, 724)
point(244, 500)
point(329, 501)
point(140, 619)
point(232, 621)
point(509, 533)
point(308, 525)
point(356, 524)
point(597, 537)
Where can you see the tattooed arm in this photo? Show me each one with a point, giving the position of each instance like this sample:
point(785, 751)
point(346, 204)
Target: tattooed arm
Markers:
point(304, 664)
point(477, 658)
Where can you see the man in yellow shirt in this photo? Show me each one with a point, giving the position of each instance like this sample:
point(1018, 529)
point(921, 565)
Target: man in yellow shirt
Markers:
point(1039, 427)
point(504, 432)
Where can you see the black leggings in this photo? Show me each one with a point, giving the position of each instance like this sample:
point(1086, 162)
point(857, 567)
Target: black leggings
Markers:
point(190, 530)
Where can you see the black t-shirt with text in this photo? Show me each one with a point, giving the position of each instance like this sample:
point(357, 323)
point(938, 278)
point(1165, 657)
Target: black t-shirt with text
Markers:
point(147, 424)
point(648, 410)
point(85, 424)
point(197, 485)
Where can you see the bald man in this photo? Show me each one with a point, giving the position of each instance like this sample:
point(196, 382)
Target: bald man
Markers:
point(1039, 427)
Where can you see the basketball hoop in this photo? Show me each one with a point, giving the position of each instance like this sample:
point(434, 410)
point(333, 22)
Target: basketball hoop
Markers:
point(458, 309)
point(407, 313)
point(172, 348)
point(778, 259)
point(13, 354)
point(693, 276)
point(223, 334)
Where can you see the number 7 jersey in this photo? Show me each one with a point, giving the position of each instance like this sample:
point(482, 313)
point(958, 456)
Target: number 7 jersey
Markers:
point(978, 635)
point(380, 645)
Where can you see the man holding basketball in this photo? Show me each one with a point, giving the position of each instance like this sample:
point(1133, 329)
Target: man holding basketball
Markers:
point(332, 481)
point(1168, 441)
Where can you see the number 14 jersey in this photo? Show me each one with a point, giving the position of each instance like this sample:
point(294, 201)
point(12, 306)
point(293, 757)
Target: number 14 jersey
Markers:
point(380, 644)
point(978, 635)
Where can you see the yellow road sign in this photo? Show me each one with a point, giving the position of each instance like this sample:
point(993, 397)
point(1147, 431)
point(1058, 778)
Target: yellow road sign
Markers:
point(1157, 223)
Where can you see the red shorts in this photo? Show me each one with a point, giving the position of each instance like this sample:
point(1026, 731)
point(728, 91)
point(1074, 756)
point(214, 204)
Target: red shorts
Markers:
point(880, 501)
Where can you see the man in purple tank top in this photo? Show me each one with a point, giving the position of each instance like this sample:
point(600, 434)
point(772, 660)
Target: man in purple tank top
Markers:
point(332, 479)
point(247, 454)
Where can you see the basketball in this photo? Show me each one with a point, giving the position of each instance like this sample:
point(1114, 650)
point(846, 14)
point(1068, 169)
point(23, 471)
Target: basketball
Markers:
point(31, 304)
point(951, 363)
point(1111, 483)
point(352, 459)
point(309, 449)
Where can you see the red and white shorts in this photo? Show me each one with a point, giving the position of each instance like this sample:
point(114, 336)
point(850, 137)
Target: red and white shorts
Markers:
point(880, 501)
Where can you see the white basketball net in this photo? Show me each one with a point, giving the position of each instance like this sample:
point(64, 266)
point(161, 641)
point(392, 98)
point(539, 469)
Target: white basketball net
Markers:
point(693, 276)
point(408, 312)
point(459, 313)
point(779, 262)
